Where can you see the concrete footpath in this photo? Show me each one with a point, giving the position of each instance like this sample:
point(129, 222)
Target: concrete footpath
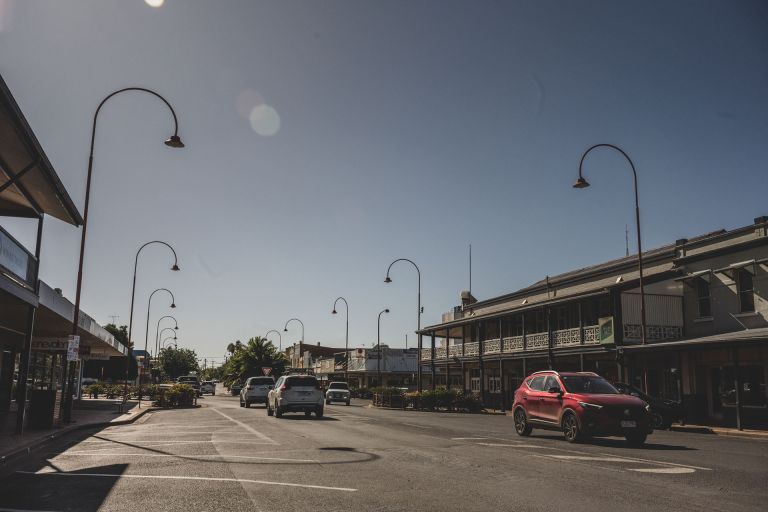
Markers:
point(89, 414)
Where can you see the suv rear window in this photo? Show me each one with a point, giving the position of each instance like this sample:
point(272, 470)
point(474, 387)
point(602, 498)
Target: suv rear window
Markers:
point(338, 385)
point(303, 381)
point(262, 381)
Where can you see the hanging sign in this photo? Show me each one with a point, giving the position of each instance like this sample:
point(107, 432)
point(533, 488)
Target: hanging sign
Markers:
point(73, 349)
point(267, 370)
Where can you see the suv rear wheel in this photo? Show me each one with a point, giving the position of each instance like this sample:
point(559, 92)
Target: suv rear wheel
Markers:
point(636, 439)
point(522, 427)
point(571, 429)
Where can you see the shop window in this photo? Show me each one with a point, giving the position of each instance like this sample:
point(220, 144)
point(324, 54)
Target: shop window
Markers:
point(745, 289)
point(703, 298)
point(474, 381)
point(753, 393)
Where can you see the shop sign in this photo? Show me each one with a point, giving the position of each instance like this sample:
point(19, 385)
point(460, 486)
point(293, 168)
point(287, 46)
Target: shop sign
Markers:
point(73, 348)
point(13, 257)
point(606, 330)
point(56, 345)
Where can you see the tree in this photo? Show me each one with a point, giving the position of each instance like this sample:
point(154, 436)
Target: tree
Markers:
point(248, 359)
point(175, 362)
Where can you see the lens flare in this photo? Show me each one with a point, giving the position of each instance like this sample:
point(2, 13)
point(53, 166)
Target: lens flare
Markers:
point(154, 3)
point(265, 120)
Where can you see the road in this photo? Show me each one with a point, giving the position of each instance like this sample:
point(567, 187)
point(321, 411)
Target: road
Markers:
point(221, 457)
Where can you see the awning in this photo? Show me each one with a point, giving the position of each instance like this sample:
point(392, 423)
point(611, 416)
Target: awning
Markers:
point(735, 266)
point(693, 275)
point(29, 186)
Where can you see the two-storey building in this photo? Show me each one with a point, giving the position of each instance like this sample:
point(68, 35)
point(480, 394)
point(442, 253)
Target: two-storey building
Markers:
point(706, 339)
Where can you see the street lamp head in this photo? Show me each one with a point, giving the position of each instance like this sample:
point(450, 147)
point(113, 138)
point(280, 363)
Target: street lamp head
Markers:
point(173, 305)
point(386, 310)
point(174, 142)
point(333, 312)
point(581, 183)
point(175, 268)
point(387, 280)
point(285, 330)
point(176, 328)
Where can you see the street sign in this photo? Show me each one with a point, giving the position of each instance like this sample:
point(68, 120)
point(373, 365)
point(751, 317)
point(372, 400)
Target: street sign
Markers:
point(606, 330)
point(266, 369)
point(73, 348)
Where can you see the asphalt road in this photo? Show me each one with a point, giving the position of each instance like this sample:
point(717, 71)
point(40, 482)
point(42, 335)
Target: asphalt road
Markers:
point(221, 457)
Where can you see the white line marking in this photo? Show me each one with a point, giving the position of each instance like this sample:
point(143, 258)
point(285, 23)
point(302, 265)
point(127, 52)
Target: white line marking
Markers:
point(210, 456)
point(665, 471)
point(247, 427)
point(587, 457)
point(417, 426)
point(469, 438)
point(662, 463)
point(197, 478)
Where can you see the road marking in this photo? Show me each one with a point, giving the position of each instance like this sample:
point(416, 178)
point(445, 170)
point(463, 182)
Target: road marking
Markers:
point(587, 457)
point(512, 445)
point(662, 463)
point(247, 427)
point(414, 425)
point(195, 478)
point(665, 471)
point(160, 443)
point(189, 456)
point(469, 438)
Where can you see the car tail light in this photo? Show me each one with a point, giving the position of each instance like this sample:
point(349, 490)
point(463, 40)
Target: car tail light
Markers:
point(284, 387)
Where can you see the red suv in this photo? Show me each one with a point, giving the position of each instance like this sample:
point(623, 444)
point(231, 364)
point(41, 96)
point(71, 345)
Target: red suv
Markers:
point(581, 404)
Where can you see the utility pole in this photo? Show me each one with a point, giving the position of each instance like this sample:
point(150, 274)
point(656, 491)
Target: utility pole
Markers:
point(115, 319)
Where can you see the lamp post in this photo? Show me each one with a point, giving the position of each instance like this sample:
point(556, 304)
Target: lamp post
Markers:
point(279, 337)
point(418, 318)
point(174, 268)
point(161, 334)
point(378, 346)
point(346, 337)
point(171, 338)
point(146, 335)
point(285, 329)
point(157, 332)
point(173, 141)
point(582, 183)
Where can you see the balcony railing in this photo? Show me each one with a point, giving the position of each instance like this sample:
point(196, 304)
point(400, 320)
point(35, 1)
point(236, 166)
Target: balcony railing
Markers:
point(592, 334)
point(566, 337)
point(538, 341)
point(632, 332)
point(513, 344)
point(471, 349)
point(492, 346)
point(426, 354)
point(454, 350)
point(440, 352)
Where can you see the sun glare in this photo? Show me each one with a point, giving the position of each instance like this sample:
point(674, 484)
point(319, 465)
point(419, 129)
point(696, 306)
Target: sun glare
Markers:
point(265, 120)
point(154, 3)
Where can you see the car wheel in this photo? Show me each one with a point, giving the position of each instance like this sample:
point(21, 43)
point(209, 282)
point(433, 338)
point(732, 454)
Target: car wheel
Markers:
point(307, 413)
point(636, 439)
point(247, 404)
point(522, 427)
point(347, 402)
point(327, 402)
point(571, 429)
point(657, 420)
point(213, 394)
point(319, 413)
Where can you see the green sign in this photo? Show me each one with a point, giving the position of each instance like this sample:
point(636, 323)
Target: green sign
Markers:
point(606, 330)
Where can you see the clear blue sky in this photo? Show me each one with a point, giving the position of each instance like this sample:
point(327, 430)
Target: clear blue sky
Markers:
point(407, 129)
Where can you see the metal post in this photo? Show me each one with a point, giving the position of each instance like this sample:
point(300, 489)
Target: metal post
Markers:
point(737, 382)
point(480, 333)
point(432, 362)
point(418, 369)
point(26, 350)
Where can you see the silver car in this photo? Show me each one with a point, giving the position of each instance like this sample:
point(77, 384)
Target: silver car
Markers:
point(337, 392)
point(255, 390)
point(296, 393)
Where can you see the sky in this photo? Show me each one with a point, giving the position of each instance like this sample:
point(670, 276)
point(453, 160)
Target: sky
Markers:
point(326, 139)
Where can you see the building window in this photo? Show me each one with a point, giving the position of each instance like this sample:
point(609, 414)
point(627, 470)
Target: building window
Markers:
point(474, 381)
point(703, 298)
point(746, 292)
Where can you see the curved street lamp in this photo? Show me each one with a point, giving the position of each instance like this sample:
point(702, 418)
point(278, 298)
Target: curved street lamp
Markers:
point(146, 335)
point(173, 141)
point(279, 337)
point(581, 182)
point(346, 337)
point(420, 311)
point(378, 347)
point(157, 333)
point(171, 338)
point(285, 329)
point(173, 331)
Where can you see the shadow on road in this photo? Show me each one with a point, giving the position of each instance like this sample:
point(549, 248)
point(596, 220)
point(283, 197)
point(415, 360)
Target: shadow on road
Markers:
point(608, 442)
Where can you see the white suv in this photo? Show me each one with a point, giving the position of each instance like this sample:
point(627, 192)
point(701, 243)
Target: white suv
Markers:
point(337, 392)
point(296, 393)
point(255, 390)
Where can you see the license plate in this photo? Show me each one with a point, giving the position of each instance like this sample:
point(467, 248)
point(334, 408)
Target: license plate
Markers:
point(628, 424)
point(304, 393)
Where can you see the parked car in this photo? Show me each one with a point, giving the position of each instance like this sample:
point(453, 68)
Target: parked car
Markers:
point(295, 393)
point(664, 412)
point(208, 386)
point(337, 392)
point(193, 381)
point(256, 390)
point(580, 404)
point(235, 388)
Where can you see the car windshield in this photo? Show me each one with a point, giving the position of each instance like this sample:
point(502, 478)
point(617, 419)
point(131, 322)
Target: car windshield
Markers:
point(338, 385)
point(588, 384)
point(302, 381)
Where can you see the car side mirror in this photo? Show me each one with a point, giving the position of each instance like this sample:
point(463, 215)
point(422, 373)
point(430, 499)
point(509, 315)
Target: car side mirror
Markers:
point(555, 389)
